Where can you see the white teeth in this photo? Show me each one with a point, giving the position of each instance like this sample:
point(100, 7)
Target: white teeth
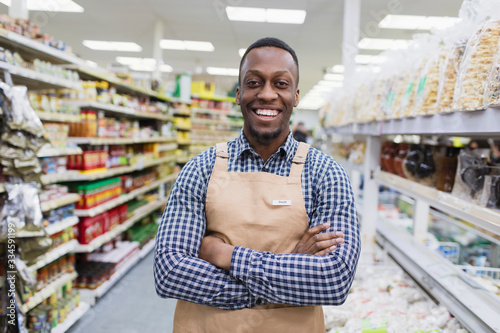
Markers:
point(270, 113)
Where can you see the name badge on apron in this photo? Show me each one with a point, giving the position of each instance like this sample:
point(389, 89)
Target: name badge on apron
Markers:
point(282, 202)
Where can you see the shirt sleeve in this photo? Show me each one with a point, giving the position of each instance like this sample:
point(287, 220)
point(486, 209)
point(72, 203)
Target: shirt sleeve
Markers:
point(178, 271)
point(301, 279)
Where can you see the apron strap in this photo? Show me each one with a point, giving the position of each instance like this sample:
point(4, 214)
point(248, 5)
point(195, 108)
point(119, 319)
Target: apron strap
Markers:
point(221, 156)
point(298, 161)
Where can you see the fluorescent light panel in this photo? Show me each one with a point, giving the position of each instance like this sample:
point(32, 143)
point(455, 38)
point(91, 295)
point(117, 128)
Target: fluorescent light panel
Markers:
point(186, 45)
point(382, 44)
point(416, 22)
point(67, 6)
point(112, 46)
point(223, 71)
point(150, 68)
point(142, 64)
point(269, 15)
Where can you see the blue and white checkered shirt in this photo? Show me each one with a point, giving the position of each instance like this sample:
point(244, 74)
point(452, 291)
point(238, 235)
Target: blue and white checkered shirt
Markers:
point(256, 278)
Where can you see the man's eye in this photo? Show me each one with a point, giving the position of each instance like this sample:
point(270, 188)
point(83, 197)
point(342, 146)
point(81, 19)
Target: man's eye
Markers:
point(282, 84)
point(252, 82)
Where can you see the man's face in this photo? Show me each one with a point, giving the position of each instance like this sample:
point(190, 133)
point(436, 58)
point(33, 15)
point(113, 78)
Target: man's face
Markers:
point(267, 93)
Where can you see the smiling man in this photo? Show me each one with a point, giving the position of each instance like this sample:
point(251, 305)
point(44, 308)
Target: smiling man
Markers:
point(261, 231)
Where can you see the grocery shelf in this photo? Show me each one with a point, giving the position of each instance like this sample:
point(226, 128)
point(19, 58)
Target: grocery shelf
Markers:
point(45, 293)
point(55, 178)
point(183, 159)
point(61, 225)
point(215, 98)
point(138, 214)
point(216, 122)
point(477, 123)
point(32, 49)
point(118, 141)
point(485, 218)
point(60, 202)
point(36, 80)
point(148, 247)
point(182, 114)
point(182, 128)
point(87, 72)
point(72, 318)
point(54, 254)
point(212, 132)
point(167, 147)
point(121, 110)
point(59, 117)
point(124, 198)
point(67, 176)
point(205, 142)
point(49, 151)
point(475, 307)
point(216, 112)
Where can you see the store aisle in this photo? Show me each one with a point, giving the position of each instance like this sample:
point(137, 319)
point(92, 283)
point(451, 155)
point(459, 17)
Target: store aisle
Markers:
point(131, 306)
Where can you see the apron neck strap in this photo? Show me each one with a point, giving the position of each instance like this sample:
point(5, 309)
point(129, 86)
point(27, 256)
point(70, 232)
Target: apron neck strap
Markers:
point(221, 156)
point(299, 160)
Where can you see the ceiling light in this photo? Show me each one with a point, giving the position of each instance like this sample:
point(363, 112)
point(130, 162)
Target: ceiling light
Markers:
point(382, 44)
point(223, 71)
point(68, 6)
point(241, 52)
point(144, 67)
point(188, 45)
point(338, 69)
point(333, 77)
point(112, 46)
point(135, 61)
point(269, 15)
point(366, 59)
point(285, 16)
point(416, 22)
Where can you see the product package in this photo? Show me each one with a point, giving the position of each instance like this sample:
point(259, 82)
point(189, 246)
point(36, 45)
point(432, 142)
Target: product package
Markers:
point(476, 67)
point(422, 164)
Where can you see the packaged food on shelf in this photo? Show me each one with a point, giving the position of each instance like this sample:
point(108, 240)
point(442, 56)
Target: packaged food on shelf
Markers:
point(476, 66)
point(54, 216)
point(448, 75)
point(90, 228)
point(446, 178)
point(422, 164)
point(95, 193)
point(492, 93)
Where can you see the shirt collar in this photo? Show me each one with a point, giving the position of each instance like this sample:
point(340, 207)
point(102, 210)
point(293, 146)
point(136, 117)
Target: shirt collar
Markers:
point(289, 147)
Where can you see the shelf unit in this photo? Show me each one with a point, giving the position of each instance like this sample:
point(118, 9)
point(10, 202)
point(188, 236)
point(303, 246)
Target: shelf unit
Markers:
point(58, 117)
point(78, 176)
point(60, 202)
point(72, 318)
point(45, 293)
point(472, 305)
point(54, 254)
point(61, 225)
point(119, 110)
point(48, 151)
point(36, 80)
point(117, 141)
point(91, 295)
point(123, 198)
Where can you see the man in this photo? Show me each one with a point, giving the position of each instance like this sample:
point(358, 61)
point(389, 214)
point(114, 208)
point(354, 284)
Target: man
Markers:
point(251, 238)
point(300, 133)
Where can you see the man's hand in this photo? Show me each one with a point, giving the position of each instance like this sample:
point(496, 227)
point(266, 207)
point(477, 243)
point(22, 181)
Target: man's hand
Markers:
point(216, 252)
point(317, 243)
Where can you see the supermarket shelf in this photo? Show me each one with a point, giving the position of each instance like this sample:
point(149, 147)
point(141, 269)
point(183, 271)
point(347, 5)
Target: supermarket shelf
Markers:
point(123, 198)
point(61, 225)
point(138, 214)
point(181, 114)
point(87, 72)
point(475, 307)
point(45, 293)
point(48, 151)
point(183, 159)
point(68, 176)
point(478, 123)
point(35, 49)
point(59, 117)
point(56, 178)
point(215, 98)
point(117, 141)
point(72, 318)
point(167, 147)
point(216, 122)
point(216, 112)
point(121, 110)
point(147, 248)
point(179, 100)
point(54, 254)
point(35, 80)
point(183, 128)
point(60, 202)
point(207, 143)
point(485, 218)
point(212, 132)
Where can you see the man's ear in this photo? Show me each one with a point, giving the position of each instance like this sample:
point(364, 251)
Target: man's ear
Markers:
point(296, 98)
point(238, 95)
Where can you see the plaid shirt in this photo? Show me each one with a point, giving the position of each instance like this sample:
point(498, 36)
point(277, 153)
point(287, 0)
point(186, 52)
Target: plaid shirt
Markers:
point(256, 278)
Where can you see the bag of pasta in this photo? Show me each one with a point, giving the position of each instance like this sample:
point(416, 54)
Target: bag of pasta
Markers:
point(476, 67)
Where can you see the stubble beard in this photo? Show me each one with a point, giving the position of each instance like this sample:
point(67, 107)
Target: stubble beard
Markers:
point(264, 138)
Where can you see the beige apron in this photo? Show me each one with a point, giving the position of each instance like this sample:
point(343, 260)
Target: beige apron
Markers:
point(260, 211)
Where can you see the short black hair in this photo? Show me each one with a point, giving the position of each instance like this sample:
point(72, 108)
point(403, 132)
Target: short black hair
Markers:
point(271, 42)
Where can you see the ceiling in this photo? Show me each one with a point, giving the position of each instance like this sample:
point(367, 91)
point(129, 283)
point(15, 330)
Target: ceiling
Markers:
point(317, 41)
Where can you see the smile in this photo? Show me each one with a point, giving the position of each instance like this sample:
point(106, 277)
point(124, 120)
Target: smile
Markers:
point(266, 112)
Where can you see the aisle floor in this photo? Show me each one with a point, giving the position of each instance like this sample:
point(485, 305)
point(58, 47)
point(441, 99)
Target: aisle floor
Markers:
point(131, 306)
